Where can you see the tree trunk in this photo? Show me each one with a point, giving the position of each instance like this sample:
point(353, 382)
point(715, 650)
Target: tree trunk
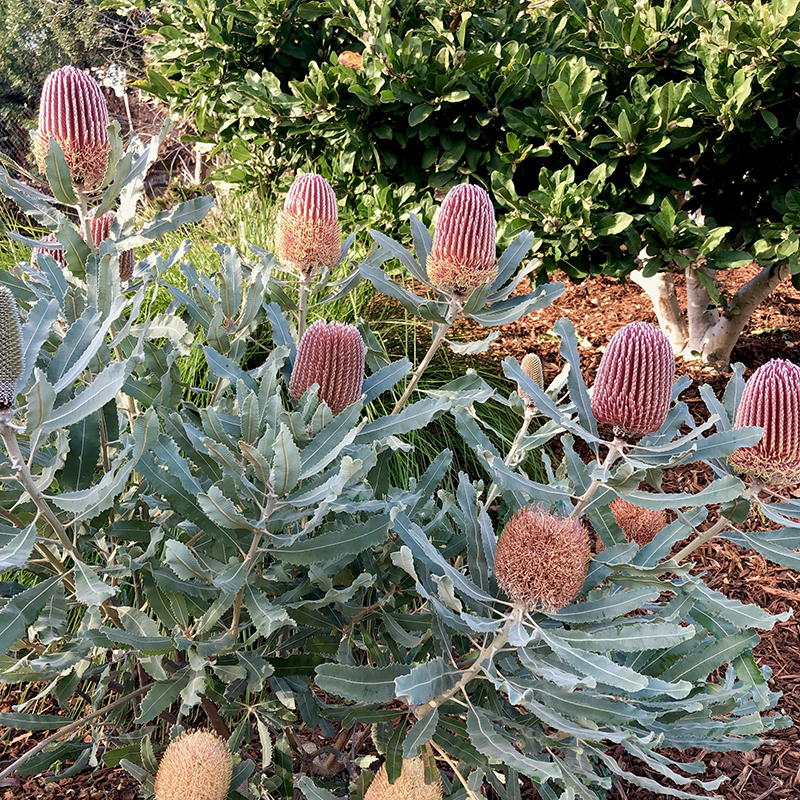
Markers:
point(702, 314)
point(660, 288)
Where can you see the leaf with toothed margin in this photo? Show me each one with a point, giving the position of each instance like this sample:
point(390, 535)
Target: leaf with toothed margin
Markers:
point(426, 681)
point(360, 684)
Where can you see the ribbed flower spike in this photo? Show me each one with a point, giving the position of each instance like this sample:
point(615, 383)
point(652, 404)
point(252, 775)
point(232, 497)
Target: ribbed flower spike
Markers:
point(332, 355)
point(633, 387)
point(542, 559)
point(10, 348)
point(73, 111)
point(409, 786)
point(196, 766)
point(58, 255)
point(771, 400)
point(463, 252)
point(532, 367)
point(308, 236)
point(101, 230)
point(639, 525)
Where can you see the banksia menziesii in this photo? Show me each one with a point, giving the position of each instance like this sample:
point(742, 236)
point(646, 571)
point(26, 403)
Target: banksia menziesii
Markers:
point(463, 252)
point(101, 230)
point(771, 400)
point(332, 355)
point(10, 348)
point(196, 766)
point(409, 786)
point(58, 255)
point(308, 236)
point(542, 559)
point(639, 525)
point(73, 111)
point(532, 367)
point(633, 387)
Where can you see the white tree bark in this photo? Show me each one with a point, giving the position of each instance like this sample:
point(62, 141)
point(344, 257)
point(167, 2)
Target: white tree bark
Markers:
point(660, 288)
point(702, 314)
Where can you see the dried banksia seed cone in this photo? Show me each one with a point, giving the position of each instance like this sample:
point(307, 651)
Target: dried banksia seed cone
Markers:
point(542, 558)
point(196, 766)
point(101, 230)
point(409, 786)
point(771, 400)
point(332, 355)
point(639, 525)
point(532, 367)
point(58, 255)
point(10, 348)
point(73, 111)
point(463, 252)
point(633, 387)
point(308, 236)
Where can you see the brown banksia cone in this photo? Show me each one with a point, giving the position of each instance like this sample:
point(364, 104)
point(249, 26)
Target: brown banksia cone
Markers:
point(409, 786)
point(332, 355)
point(10, 348)
point(542, 559)
point(196, 766)
point(58, 255)
point(101, 230)
point(308, 236)
point(73, 111)
point(463, 252)
point(639, 525)
point(532, 367)
point(771, 400)
point(633, 387)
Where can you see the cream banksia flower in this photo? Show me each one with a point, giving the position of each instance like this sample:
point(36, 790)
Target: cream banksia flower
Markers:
point(73, 111)
point(771, 400)
point(409, 786)
point(307, 235)
point(196, 766)
point(639, 525)
point(101, 230)
point(10, 349)
point(463, 252)
point(633, 387)
point(542, 559)
point(532, 367)
point(332, 355)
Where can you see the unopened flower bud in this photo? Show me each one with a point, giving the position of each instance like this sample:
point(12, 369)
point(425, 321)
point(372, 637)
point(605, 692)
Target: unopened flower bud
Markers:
point(308, 236)
point(409, 786)
point(633, 387)
point(73, 111)
point(771, 400)
point(639, 525)
point(542, 559)
point(58, 255)
point(196, 765)
point(463, 252)
point(331, 355)
point(532, 367)
point(101, 230)
point(10, 348)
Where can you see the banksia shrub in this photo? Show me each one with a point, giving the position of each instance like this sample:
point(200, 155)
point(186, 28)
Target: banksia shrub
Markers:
point(463, 252)
point(409, 786)
point(771, 400)
point(639, 525)
point(542, 558)
point(10, 348)
point(308, 236)
point(101, 230)
point(73, 111)
point(196, 766)
point(58, 255)
point(633, 387)
point(332, 355)
point(532, 367)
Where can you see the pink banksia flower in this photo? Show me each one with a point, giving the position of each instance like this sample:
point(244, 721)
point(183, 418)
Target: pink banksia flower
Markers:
point(73, 111)
point(58, 255)
point(196, 766)
point(633, 387)
point(331, 355)
point(771, 400)
point(101, 230)
point(308, 236)
point(532, 367)
point(463, 252)
point(10, 348)
point(542, 559)
point(409, 786)
point(640, 525)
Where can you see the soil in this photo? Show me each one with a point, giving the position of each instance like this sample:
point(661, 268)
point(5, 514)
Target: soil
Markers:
point(598, 308)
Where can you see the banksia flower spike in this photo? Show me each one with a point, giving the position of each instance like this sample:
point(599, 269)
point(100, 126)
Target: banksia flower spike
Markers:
point(463, 252)
point(196, 766)
point(639, 525)
point(771, 400)
point(542, 559)
point(308, 236)
point(532, 367)
point(58, 255)
point(10, 349)
point(409, 786)
point(73, 111)
point(332, 355)
point(101, 230)
point(633, 387)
